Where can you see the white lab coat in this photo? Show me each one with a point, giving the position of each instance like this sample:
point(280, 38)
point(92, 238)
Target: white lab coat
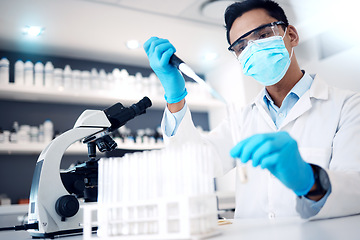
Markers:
point(325, 122)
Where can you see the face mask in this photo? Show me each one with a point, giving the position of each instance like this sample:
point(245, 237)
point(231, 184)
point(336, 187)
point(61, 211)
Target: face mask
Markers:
point(266, 60)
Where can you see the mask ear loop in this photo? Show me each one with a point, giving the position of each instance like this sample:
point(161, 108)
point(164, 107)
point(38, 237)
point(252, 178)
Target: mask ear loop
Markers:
point(284, 33)
point(292, 49)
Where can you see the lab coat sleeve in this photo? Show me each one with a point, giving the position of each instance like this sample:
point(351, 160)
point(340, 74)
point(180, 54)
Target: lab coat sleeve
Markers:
point(344, 167)
point(308, 208)
point(171, 121)
point(218, 141)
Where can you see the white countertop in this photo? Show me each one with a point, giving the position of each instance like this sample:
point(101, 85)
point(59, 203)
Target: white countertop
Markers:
point(276, 229)
point(292, 229)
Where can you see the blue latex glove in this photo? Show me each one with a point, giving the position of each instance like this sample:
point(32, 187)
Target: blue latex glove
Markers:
point(278, 153)
point(159, 52)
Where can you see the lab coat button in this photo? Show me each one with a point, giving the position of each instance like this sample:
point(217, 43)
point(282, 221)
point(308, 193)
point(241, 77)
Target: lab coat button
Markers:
point(271, 215)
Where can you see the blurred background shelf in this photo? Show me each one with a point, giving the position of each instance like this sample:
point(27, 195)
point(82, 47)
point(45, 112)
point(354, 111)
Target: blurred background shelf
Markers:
point(100, 97)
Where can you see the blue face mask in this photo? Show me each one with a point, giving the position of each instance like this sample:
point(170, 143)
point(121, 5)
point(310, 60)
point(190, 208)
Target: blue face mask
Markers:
point(266, 60)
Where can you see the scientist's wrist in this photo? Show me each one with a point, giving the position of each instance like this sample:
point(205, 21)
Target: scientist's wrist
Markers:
point(175, 107)
point(314, 197)
point(321, 185)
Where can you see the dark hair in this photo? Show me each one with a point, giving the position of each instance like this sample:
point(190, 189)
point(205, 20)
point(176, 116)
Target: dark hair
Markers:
point(237, 9)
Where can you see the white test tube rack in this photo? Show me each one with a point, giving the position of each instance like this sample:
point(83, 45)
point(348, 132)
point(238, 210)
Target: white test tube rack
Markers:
point(159, 194)
point(178, 218)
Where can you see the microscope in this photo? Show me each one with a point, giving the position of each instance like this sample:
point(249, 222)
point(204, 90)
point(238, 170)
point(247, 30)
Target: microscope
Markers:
point(55, 196)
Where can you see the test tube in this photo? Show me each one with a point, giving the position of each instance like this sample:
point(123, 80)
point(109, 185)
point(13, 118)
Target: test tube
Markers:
point(235, 132)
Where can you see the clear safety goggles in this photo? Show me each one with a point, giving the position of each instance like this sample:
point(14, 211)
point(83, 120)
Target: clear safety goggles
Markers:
point(262, 32)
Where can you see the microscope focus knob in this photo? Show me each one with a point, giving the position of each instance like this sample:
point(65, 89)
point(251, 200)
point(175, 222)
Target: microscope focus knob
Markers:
point(67, 206)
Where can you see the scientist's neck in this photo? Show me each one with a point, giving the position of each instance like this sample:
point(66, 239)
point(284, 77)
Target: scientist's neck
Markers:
point(279, 91)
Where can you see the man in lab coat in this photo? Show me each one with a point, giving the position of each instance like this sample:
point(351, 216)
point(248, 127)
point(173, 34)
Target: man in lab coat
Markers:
point(300, 136)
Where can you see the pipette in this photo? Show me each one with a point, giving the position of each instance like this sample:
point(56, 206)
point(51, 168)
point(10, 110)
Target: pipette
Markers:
point(185, 69)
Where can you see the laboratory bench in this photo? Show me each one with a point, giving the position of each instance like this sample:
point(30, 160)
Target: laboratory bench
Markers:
point(269, 229)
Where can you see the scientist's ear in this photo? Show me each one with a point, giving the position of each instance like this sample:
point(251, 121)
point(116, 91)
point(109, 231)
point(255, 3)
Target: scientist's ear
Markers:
point(293, 35)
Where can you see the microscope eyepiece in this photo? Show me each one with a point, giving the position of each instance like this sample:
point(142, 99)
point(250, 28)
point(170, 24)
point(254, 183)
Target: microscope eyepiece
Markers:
point(118, 115)
point(141, 106)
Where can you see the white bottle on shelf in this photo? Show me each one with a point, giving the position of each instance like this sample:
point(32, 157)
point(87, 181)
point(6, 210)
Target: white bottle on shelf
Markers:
point(58, 78)
point(139, 84)
point(19, 73)
point(117, 81)
point(39, 74)
point(125, 87)
point(34, 134)
point(103, 81)
point(68, 84)
point(24, 134)
point(94, 82)
point(85, 80)
point(4, 71)
point(29, 73)
point(76, 79)
point(41, 134)
point(16, 126)
point(49, 75)
point(13, 138)
point(48, 127)
point(110, 82)
point(6, 136)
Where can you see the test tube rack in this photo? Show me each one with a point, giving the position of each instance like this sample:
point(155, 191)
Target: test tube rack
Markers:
point(177, 218)
point(159, 194)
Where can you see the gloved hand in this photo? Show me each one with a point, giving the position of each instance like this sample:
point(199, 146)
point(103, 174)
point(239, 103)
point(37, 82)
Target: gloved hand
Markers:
point(159, 52)
point(278, 153)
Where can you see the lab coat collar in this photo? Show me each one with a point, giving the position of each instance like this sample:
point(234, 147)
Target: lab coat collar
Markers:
point(263, 109)
point(319, 90)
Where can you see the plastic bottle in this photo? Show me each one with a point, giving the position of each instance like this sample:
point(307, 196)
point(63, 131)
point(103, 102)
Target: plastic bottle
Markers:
point(48, 131)
point(117, 80)
point(125, 83)
point(6, 136)
point(68, 84)
point(49, 75)
point(4, 71)
point(19, 73)
point(85, 80)
point(149, 136)
point(76, 79)
point(13, 138)
point(58, 78)
point(140, 133)
point(24, 134)
point(159, 135)
point(41, 134)
point(110, 82)
point(103, 81)
point(34, 133)
point(39, 74)
point(16, 126)
point(29, 73)
point(94, 82)
point(139, 84)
